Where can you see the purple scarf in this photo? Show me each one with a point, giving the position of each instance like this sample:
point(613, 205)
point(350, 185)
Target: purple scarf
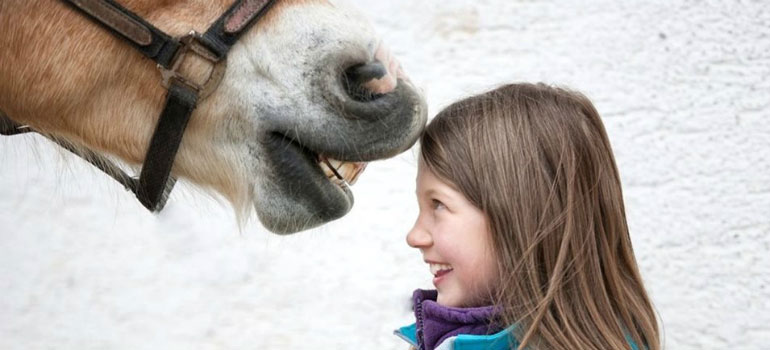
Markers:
point(435, 323)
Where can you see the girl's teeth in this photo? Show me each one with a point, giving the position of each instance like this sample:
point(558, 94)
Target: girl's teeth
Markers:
point(435, 268)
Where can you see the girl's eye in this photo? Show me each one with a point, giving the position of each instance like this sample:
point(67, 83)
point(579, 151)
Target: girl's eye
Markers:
point(437, 204)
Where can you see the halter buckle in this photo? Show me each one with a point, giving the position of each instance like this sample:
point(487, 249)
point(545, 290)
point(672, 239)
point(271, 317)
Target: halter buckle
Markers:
point(191, 49)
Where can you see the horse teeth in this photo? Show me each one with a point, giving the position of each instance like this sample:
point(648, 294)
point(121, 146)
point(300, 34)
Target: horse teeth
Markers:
point(348, 172)
point(327, 171)
point(351, 171)
point(336, 163)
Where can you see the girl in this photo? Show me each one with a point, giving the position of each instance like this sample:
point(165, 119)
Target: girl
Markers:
point(522, 225)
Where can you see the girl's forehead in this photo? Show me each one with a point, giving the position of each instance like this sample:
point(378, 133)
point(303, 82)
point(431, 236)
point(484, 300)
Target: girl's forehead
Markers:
point(426, 178)
point(430, 184)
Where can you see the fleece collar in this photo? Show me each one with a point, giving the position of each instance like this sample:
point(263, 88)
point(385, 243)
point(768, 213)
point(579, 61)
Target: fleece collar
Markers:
point(436, 323)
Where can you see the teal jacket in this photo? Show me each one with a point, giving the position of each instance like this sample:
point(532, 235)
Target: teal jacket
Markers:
point(502, 340)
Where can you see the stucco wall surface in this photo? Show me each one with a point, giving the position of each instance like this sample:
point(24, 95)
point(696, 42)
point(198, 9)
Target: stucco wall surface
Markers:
point(684, 90)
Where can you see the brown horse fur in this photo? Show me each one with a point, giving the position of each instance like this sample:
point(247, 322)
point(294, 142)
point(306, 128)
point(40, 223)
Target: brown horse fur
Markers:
point(58, 96)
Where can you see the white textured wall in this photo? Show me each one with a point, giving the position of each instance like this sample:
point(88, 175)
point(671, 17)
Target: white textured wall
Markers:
point(684, 88)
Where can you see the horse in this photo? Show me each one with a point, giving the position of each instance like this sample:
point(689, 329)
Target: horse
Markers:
point(308, 96)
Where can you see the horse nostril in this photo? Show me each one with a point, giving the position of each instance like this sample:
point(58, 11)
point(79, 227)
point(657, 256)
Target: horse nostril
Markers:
point(354, 78)
point(362, 73)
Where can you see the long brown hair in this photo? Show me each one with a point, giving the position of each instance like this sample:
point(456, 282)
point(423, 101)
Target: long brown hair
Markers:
point(537, 161)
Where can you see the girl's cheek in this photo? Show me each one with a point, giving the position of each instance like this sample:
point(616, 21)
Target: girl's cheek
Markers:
point(448, 250)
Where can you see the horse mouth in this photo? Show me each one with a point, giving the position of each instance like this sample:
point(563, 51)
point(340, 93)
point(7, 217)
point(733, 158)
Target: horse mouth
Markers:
point(317, 181)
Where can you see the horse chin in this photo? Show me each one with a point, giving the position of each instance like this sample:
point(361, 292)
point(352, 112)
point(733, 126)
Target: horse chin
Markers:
point(296, 194)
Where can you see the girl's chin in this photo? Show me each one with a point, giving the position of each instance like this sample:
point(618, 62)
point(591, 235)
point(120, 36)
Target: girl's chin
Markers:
point(448, 299)
point(449, 293)
point(444, 299)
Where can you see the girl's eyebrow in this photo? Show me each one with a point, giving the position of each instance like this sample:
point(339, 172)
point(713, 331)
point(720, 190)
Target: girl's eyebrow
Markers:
point(426, 193)
point(437, 192)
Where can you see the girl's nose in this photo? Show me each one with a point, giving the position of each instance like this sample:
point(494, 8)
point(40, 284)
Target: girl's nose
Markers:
point(419, 237)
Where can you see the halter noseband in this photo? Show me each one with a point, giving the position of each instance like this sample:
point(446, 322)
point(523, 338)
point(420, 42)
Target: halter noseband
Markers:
point(155, 183)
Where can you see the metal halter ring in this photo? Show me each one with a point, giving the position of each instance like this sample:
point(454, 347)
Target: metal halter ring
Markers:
point(190, 44)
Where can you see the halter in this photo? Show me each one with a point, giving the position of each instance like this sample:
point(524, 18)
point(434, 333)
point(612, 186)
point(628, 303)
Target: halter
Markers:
point(154, 183)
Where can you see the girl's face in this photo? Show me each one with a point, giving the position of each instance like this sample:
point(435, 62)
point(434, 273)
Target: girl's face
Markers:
point(453, 236)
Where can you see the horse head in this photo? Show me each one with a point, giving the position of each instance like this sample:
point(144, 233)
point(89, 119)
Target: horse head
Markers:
point(308, 96)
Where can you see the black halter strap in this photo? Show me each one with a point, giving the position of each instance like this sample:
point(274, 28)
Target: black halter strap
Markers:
point(155, 182)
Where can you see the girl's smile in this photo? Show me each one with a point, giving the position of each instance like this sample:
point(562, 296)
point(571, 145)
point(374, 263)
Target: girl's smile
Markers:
point(438, 271)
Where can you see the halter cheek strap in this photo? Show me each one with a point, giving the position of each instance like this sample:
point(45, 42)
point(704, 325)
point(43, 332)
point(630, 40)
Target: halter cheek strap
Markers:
point(155, 181)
